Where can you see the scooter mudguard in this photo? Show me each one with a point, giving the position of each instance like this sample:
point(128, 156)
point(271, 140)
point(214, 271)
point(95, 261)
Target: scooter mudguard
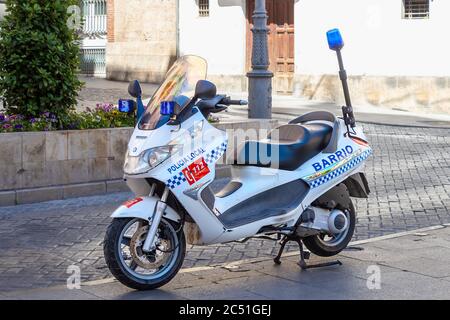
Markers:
point(143, 208)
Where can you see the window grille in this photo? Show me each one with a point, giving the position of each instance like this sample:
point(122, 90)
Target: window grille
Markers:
point(203, 8)
point(94, 17)
point(416, 9)
point(93, 61)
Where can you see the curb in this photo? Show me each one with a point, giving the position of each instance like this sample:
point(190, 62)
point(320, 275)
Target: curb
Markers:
point(70, 191)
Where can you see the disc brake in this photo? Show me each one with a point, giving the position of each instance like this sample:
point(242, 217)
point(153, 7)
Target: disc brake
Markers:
point(152, 260)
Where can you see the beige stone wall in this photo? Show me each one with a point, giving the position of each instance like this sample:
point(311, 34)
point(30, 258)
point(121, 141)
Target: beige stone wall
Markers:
point(144, 41)
point(229, 83)
point(60, 159)
point(63, 157)
point(416, 94)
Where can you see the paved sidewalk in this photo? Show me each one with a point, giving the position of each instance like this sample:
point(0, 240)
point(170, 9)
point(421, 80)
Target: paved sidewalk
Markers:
point(98, 90)
point(287, 108)
point(415, 265)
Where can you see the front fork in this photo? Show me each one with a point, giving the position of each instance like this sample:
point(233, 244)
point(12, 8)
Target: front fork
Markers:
point(150, 241)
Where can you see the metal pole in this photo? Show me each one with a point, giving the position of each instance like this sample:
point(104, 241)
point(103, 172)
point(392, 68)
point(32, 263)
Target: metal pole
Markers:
point(349, 117)
point(343, 77)
point(260, 78)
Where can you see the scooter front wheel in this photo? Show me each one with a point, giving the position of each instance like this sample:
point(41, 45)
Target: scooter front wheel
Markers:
point(138, 269)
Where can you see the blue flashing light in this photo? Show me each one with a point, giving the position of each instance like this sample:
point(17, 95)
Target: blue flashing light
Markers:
point(167, 108)
point(335, 41)
point(126, 106)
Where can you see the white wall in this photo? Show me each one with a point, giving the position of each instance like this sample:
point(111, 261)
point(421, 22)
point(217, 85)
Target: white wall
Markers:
point(2, 10)
point(378, 40)
point(219, 38)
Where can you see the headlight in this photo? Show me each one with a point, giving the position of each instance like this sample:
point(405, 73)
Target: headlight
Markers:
point(148, 160)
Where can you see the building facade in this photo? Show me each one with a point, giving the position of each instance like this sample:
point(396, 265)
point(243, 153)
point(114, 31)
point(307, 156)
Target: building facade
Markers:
point(142, 39)
point(94, 32)
point(395, 52)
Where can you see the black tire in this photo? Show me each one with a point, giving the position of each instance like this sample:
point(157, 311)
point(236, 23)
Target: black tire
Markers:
point(319, 248)
point(111, 253)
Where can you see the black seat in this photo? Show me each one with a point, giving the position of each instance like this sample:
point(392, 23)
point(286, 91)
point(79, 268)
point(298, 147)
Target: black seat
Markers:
point(287, 147)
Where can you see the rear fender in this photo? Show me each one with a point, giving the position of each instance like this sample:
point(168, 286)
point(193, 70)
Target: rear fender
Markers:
point(357, 185)
point(143, 208)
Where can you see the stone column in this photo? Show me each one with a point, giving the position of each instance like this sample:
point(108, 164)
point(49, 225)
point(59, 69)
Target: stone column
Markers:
point(260, 78)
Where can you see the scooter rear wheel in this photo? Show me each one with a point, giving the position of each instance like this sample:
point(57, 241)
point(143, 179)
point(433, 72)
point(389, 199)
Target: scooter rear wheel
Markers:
point(138, 270)
point(321, 246)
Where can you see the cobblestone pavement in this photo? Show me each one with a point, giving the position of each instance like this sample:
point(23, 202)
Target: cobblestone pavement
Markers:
point(409, 176)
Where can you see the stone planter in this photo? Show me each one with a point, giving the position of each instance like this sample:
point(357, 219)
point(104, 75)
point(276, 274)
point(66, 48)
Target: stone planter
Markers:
point(42, 166)
point(39, 166)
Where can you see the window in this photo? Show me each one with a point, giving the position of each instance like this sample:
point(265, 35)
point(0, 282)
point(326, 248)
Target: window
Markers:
point(93, 7)
point(203, 8)
point(416, 9)
point(100, 8)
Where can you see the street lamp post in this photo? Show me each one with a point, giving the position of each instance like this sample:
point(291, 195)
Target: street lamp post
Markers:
point(260, 78)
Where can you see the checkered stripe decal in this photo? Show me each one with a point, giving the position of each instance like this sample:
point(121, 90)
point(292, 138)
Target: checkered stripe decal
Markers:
point(336, 173)
point(210, 157)
point(175, 181)
point(215, 154)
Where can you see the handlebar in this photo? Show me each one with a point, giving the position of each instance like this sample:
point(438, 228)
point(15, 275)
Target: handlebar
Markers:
point(218, 104)
point(227, 101)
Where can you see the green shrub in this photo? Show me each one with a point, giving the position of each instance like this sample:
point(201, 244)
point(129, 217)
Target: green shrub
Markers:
point(39, 58)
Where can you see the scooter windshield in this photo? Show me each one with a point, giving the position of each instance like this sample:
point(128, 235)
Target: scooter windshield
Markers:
point(179, 86)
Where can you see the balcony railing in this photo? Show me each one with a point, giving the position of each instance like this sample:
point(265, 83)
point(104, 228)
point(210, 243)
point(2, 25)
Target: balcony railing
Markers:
point(94, 17)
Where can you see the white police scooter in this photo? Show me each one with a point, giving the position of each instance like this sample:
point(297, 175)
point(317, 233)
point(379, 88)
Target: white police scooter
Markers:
point(295, 184)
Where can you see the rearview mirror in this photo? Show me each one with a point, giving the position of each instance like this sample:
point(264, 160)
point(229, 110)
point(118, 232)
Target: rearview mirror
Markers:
point(134, 89)
point(205, 90)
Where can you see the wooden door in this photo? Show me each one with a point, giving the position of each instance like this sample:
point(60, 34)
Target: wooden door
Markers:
point(281, 42)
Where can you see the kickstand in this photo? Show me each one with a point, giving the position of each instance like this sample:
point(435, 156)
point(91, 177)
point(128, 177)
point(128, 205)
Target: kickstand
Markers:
point(303, 255)
point(277, 259)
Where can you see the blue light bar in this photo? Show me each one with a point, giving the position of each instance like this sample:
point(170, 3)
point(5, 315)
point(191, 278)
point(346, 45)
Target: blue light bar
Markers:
point(126, 106)
point(335, 41)
point(167, 108)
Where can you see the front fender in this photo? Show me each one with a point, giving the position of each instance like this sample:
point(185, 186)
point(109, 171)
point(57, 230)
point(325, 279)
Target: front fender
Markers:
point(143, 208)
